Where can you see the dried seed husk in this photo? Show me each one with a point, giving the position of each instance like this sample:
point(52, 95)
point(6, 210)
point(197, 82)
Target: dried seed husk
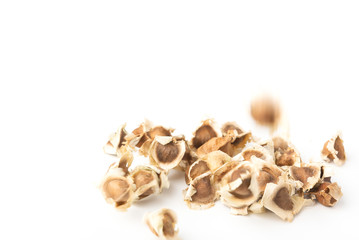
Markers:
point(196, 169)
point(231, 126)
point(255, 150)
point(210, 162)
point(328, 193)
point(215, 144)
point(159, 131)
point(167, 152)
point(206, 131)
point(139, 135)
point(201, 193)
point(163, 223)
point(281, 199)
point(116, 141)
point(143, 136)
point(266, 173)
point(239, 188)
point(221, 172)
point(239, 143)
point(148, 180)
point(144, 150)
point(266, 110)
point(118, 189)
point(216, 159)
point(126, 158)
point(308, 174)
point(333, 150)
point(257, 207)
point(285, 153)
point(188, 159)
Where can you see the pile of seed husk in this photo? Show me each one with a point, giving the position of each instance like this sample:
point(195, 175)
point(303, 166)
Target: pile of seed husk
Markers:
point(226, 163)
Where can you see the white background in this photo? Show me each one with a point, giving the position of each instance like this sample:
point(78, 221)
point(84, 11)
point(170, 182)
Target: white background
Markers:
point(72, 71)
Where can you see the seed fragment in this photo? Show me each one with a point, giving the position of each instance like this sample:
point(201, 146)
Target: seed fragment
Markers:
point(116, 141)
point(239, 188)
point(258, 151)
point(163, 223)
point(328, 194)
point(231, 126)
point(216, 143)
point(308, 175)
point(206, 131)
point(167, 152)
point(281, 199)
point(118, 189)
point(201, 193)
point(148, 180)
point(333, 150)
point(285, 153)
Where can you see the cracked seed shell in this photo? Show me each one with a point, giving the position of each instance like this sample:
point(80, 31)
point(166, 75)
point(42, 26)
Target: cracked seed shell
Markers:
point(256, 150)
point(266, 173)
point(166, 152)
point(281, 199)
point(206, 131)
point(328, 194)
point(116, 141)
point(238, 144)
point(285, 153)
point(198, 168)
point(118, 189)
point(333, 150)
point(239, 188)
point(231, 126)
point(126, 158)
point(148, 180)
point(308, 174)
point(216, 143)
point(163, 223)
point(201, 193)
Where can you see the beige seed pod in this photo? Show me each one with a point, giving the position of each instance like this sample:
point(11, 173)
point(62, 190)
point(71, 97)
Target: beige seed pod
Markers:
point(239, 188)
point(166, 152)
point(163, 223)
point(308, 174)
point(118, 189)
point(201, 193)
point(333, 150)
point(328, 194)
point(281, 199)
point(266, 110)
point(206, 131)
point(285, 153)
point(116, 141)
point(148, 180)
